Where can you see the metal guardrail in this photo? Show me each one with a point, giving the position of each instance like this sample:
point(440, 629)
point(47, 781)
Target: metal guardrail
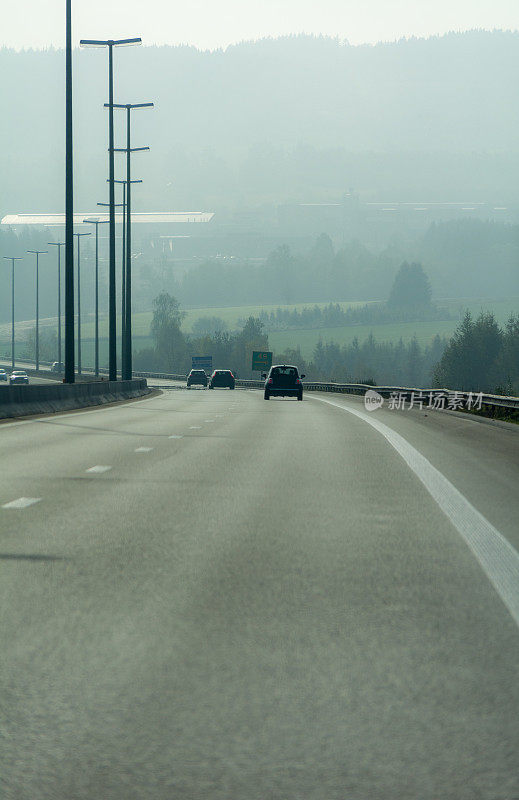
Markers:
point(409, 394)
point(453, 398)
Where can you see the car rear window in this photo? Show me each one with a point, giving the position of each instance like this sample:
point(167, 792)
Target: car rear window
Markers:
point(290, 371)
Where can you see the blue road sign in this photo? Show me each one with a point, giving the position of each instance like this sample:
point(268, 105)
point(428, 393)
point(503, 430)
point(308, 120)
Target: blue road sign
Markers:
point(202, 362)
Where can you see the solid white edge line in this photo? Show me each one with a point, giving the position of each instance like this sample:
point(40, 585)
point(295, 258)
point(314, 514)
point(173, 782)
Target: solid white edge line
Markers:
point(143, 449)
point(98, 468)
point(497, 557)
point(22, 502)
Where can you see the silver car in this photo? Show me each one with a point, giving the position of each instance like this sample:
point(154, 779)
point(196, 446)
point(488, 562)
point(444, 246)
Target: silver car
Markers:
point(19, 376)
point(3, 375)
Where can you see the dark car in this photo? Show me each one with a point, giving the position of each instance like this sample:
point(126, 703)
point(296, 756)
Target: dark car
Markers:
point(196, 377)
point(221, 378)
point(283, 380)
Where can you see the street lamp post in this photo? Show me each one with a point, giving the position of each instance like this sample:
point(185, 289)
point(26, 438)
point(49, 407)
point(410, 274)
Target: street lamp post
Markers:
point(116, 205)
point(123, 279)
point(112, 328)
point(12, 259)
point(79, 299)
point(97, 223)
point(127, 347)
point(38, 253)
point(69, 205)
point(124, 338)
point(59, 245)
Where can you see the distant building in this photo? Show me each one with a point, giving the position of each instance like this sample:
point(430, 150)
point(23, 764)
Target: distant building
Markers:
point(376, 223)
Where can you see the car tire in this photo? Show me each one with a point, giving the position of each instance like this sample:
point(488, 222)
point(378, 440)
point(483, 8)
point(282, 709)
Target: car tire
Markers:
point(300, 396)
point(266, 396)
point(231, 387)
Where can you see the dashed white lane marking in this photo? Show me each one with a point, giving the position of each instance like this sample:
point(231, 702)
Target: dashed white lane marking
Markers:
point(195, 427)
point(175, 437)
point(22, 502)
point(143, 449)
point(99, 468)
point(209, 420)
point(499, 560)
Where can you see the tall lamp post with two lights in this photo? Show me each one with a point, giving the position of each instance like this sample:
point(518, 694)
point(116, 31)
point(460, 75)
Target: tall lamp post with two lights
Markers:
point(97, 223)
point(69, 206)
point(112, 323)
point(127, 339)
point(79, 299)
point(124, 342)
point(12, 259)
point(38, 253)
point(59, 245)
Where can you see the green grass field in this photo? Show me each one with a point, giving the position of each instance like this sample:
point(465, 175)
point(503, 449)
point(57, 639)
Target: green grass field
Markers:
point(306, 339)
point(392, 332)
point(230, 315)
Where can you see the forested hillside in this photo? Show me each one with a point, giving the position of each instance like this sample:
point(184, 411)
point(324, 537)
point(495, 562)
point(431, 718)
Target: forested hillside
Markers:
point(271, 121)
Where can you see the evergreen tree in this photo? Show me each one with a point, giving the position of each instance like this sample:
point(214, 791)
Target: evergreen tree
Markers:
point(411, 288)
point(471, 359)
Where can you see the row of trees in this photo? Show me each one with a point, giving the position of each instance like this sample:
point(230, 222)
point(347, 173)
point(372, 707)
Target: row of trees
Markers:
point(409, 300)
point(321, 273)
point(480, 356)
point(359, 361)
point(456, 255)
point(370, 361)
point(173, 348)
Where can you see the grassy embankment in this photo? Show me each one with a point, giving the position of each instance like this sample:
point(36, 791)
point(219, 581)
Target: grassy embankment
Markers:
point(280, 340)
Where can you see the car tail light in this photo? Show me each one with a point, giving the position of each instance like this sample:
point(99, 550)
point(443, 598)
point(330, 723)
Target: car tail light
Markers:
point(232, 376)
point(297, 380)
point(270, 380)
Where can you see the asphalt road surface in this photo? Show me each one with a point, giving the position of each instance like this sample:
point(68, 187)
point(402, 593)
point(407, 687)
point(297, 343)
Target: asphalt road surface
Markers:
point(205, 596)
point(41, 381)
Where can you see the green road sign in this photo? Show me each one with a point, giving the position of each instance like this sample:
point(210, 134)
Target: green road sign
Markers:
point(261, 360)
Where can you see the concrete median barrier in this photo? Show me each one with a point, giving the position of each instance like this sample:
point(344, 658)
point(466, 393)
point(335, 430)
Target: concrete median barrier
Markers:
point(22, 401)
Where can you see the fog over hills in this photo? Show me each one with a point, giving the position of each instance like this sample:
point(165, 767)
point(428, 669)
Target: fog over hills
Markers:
point(300, 118)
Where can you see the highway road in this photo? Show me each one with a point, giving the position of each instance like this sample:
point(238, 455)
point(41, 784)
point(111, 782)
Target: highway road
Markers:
point(32, 379)
point(209, 597)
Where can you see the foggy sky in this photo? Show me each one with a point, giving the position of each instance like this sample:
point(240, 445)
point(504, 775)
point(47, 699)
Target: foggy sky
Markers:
point(217, 23)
